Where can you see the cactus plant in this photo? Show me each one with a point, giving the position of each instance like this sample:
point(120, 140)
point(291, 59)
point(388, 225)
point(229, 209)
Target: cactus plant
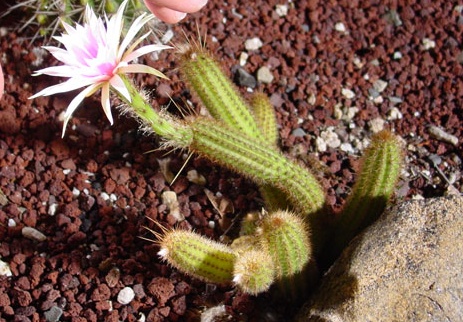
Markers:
point(242, 136)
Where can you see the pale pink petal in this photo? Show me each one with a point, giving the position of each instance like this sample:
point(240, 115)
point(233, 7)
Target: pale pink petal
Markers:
point(76, 102)
point(144, 50)
point(133, 31)
point(118, 84)
point(140, 68)
point(105, 103)
point(67, 86)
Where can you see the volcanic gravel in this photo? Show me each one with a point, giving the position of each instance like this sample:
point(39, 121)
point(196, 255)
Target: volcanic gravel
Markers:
point(72, 209)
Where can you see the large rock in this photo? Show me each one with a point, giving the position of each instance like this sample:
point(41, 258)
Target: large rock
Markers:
point(408, 266)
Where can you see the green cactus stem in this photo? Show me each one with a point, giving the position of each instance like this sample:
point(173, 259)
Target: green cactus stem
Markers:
point(254, 271)
point(216, 91)
point(251, 158)
point(285, 237)
point(174, 131)
point(379, 171)
point(264, 114)
point(197, 256)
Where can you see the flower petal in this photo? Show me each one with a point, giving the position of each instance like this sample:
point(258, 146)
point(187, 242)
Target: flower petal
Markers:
point(118, 84)
point(140, 68)
point(143, 51)
point(105, 103)
point(75, 103)
point(67, 86)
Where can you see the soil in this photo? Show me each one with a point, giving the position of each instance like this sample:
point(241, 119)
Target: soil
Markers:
point(92, 192)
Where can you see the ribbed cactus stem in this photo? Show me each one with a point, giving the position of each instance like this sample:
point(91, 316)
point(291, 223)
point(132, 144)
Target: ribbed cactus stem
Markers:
point(379, 171)
point(251, 158)
point(198, 256)
point(264, 114)
point(286, 238)
point(254, 271)
point(174, 131)
point(216, 91)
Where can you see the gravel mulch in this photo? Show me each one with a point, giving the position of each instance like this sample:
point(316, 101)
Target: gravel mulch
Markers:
point(72, 210)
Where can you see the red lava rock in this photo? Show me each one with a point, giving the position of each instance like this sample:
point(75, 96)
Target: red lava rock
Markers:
point(311, 62)
point(101, 293)
point(162, 289)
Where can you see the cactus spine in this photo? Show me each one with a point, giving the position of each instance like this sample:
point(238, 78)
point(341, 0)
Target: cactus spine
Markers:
point(285, 237)
point(216, 91)
point(379, 171)
point(254, 271)
point(198, 256)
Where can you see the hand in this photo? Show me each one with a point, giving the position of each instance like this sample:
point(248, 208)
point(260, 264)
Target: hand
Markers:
point(172, 11)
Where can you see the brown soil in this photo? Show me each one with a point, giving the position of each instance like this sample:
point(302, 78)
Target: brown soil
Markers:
point(92, 192)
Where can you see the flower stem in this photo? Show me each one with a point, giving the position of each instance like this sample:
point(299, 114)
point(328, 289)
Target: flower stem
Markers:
point(174, 131)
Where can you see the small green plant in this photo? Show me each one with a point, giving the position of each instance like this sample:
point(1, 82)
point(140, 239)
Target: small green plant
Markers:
point(48, 14)
point(240, 135)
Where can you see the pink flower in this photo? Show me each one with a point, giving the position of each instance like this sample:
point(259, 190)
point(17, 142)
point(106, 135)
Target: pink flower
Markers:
point(95, 58)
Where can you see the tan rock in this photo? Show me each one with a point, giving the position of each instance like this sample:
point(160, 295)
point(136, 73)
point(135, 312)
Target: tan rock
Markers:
point(408, 266)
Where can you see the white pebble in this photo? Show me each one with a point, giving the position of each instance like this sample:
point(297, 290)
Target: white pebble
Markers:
point(264, 75)
point(243, 58)
point(331, 138)
point(281, 10)
point(440, 134)
point(5, 269)
point(253, 44)
point(428, 43)
point(347, 147)
point(11, 222)
point(75, 192)
point(395, 114)
point(320, 144)
point(125, 296)
point(169, 198)
point(52, 209)
point(380, 85)
point(347, 93)
point(195, 177)
point(340, 27)
point(377, 125)
point(33, 234)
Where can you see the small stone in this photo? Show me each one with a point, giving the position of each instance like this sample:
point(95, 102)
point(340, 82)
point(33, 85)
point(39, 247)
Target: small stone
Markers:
point(243, 58)
point(377, 125)
point(395, 114)
point(11, 222)
point(195, 177)
point(298, 132)
point(428, 43)
point(347, 93)
point(253, 44)
point(347, 147)
point(264, 75)
point(331, 138)
point(397, 55)
point(33, 234)
point(440, 134)
point(380, 85)
point(243, 78)
point(395, 99)
point(5, 269)
point(169, 198)
point(281, 10)
point(339, 26)
point(125, 296)
point(53, 314)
